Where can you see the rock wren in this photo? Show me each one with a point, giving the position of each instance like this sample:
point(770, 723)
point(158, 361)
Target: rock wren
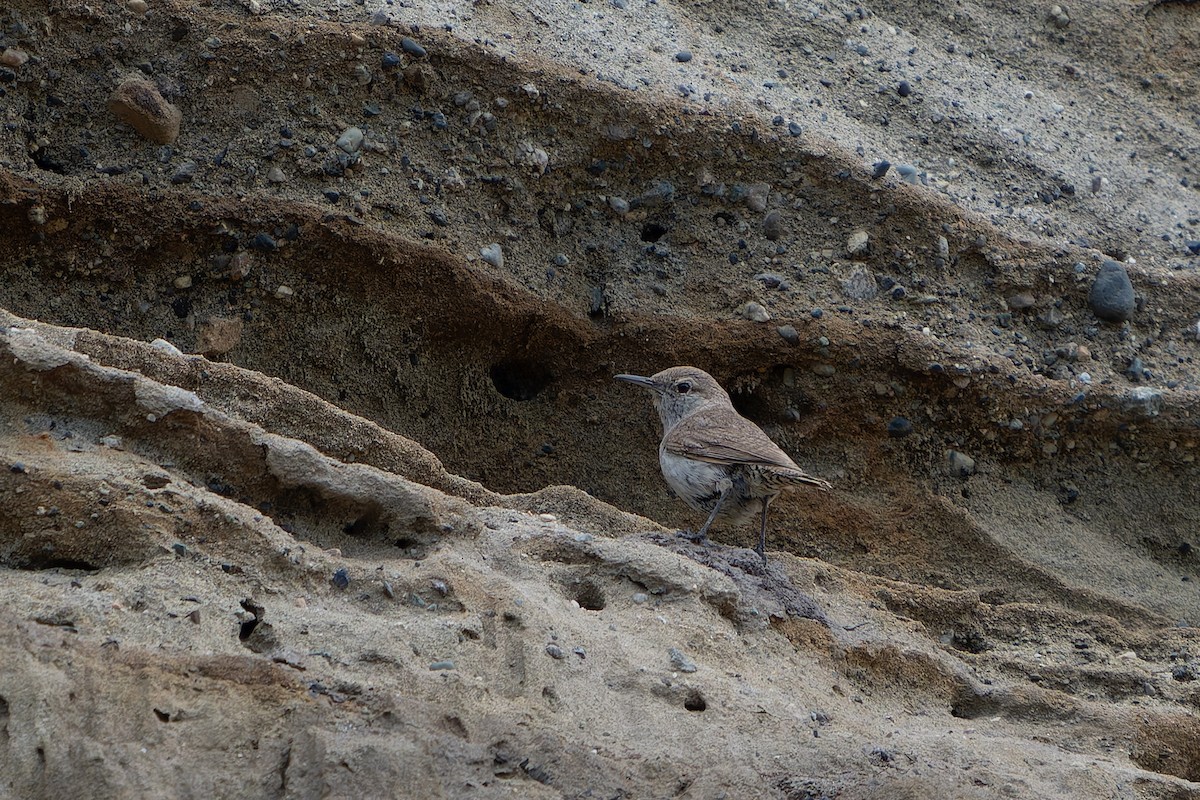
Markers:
point(714, 458)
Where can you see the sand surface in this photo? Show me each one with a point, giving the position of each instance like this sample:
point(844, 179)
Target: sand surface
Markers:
point(316, 482)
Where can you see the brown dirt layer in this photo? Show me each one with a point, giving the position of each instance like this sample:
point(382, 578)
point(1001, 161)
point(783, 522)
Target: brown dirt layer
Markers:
point(307, 493)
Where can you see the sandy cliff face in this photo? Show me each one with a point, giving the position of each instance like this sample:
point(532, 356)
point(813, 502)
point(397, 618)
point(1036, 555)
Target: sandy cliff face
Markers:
point(373, 519)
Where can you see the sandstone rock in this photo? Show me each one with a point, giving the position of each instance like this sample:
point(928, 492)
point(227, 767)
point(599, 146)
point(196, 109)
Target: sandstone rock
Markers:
point(137, 103)
point(218, 335)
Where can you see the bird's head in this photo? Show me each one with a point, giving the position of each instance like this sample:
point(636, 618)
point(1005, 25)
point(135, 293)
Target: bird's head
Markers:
point(679, 391)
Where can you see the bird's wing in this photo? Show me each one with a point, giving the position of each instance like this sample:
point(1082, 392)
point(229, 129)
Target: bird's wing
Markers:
point(722, 438)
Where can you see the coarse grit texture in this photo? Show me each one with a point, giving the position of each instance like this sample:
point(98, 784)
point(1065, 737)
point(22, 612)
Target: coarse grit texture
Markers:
point(315, 480)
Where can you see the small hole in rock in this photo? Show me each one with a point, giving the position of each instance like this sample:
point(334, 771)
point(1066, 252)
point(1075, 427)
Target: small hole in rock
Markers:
point(752, 405)
point(163, 716)
point(248, 626)
point(590, 597)
point(520, 380)
point(695, 701)
point(653, 231)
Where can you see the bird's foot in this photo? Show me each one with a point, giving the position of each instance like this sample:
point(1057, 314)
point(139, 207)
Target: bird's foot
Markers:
point(700, 537)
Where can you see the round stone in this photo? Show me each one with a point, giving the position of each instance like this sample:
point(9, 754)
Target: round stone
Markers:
point(1111, 298)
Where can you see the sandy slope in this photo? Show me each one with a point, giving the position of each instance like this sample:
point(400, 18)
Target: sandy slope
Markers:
point(353, 496)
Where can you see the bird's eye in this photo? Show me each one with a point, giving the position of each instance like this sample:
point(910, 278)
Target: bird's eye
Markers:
point(683, 387)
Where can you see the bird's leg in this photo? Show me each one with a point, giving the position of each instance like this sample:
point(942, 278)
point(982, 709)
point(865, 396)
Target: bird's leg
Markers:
point(762, 534)
point(702, 534)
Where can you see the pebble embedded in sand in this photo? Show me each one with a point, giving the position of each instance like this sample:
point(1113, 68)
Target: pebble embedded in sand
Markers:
point(351, 140)
point(959, 464)
point(753, 312)
point(218, 335)
point(859, 243)
point(860, 285)
point(681, 662)
point(138, 6)
point(1021, 301)
point(137, 103)
point(185, 173)
point(12, 57)
point(412, 48)
point(773, 226)
point(1111, 298)
point(493, 254)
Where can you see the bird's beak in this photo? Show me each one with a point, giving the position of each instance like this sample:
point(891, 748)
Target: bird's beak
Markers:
point(645, 383)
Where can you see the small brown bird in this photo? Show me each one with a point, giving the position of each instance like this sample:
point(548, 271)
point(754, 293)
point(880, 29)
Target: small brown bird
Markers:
point(714, 458)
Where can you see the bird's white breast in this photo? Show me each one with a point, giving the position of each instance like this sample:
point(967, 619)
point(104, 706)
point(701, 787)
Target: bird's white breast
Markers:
point(694, 481)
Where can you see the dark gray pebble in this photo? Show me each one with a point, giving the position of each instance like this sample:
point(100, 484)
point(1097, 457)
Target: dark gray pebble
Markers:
point(899, 427)
point(17, 468)
point(789, 334)
point(390, 60)
point(817, 313)
point(263, 242)
point(771, 280)
point(341, 578)
point(683, 56)
point(773, 226)
point(412, 48)
point(1194, 246)
point(437, 665)
point(185, 173)
point(1111, 297)
point(794, 129)
point(880, 169)
point(554, 651)
point(904, 89)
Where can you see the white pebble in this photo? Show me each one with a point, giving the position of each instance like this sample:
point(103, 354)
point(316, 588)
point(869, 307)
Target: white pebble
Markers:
point(493, 254)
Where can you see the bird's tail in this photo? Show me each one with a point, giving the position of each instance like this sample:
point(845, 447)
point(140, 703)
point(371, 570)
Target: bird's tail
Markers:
point(795, 477)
